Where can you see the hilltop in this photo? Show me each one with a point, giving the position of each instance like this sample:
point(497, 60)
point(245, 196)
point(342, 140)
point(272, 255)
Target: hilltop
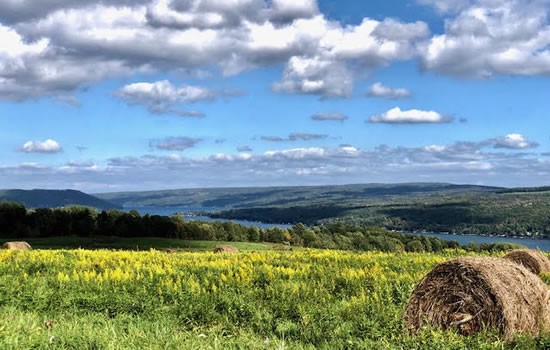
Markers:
point(38, 198)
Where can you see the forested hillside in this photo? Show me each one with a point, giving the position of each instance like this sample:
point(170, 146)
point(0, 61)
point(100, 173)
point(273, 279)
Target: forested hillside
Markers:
point(247, 197)
point(507, 213)
point(18, 222)
point(54, 199)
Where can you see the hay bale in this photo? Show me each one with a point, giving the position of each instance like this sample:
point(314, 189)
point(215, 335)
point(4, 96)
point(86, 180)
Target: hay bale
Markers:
point(472, 294)
point(226, 249)
point(534, 260)
point(16, 246)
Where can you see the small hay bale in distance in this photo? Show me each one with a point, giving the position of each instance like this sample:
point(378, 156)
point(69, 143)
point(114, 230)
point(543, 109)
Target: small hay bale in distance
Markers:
point(16, 246)
point(476, 293)
point(534, 260)
point(226, 249)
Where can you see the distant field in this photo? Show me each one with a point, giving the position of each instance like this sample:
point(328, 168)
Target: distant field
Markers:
point(143, 243)
point(194, 300)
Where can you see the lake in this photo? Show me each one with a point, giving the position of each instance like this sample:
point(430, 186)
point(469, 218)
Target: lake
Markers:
point(188, 215)
point(542, 244)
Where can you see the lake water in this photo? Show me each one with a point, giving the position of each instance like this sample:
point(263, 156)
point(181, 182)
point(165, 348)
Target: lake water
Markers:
point(542, 244)
point(188, 215)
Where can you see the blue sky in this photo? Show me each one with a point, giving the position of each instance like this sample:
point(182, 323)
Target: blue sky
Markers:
point(155, 94)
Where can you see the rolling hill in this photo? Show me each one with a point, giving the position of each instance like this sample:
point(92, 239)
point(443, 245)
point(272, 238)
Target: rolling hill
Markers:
point(54, 199)
point(229, 198)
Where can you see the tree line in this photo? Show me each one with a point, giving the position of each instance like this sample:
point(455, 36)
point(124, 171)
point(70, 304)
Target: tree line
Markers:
point(18, 222)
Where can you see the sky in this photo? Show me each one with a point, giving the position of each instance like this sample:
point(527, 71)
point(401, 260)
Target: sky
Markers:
point(131, 95)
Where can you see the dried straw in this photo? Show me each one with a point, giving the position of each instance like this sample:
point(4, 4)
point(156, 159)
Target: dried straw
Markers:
point(473, 294)
point(534, 260)
point(16, 246)
point(226, 249)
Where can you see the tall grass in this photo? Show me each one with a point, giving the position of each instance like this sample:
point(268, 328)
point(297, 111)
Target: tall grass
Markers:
point(153, 300)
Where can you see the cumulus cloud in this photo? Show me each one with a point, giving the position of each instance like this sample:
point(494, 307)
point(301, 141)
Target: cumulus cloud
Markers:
point(459, 162)
point(295, 136)
point(55, 48)
point(174, 143)
point(289, 10)
point(329, 116)
point(60, 46)
point(297, 153)
point(14, 11)
point(160, 97)
point(316, 76)
point(509, 142)
point(446, 6)
point(514, 141)
point(47, 146)
point(203, 14)
point(413, 116)
point(79, 167)
point(379, 90)
point(489, 38)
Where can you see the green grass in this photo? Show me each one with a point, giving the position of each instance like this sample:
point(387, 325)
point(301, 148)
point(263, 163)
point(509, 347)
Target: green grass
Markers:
point(21, 330)
point(144, 243)
point(309, 299)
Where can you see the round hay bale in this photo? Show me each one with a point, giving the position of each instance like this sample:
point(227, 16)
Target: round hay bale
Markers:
point(226, 249)
point(472, 294)
point(16, 246)
point(534, 260)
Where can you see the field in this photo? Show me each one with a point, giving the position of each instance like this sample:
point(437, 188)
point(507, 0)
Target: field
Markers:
point(143, 243)
point(306, 299)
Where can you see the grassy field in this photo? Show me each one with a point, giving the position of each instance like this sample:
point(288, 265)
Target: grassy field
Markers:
point(198, 300)
point(143, 243)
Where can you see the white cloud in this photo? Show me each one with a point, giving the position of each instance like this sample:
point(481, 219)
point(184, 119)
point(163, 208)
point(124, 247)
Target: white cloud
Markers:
point(490, 38)
point(297, 153)
point(33, 66)
point(14, 11)
point(413, 116)
point(47, 146)
point(70, 44)
point(435, 148)
point(288, 10)
point(379, 90)
point(79, 167)
point(514, 141)
point(459, 162)
point(57, 47)
point(316, 76)
point(446, 6)
point(205, 14)
point(161, 92)
point(161, 96)
point(231, 157)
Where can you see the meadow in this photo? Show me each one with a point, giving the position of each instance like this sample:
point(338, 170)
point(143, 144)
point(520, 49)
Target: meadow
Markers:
point(306, 299)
